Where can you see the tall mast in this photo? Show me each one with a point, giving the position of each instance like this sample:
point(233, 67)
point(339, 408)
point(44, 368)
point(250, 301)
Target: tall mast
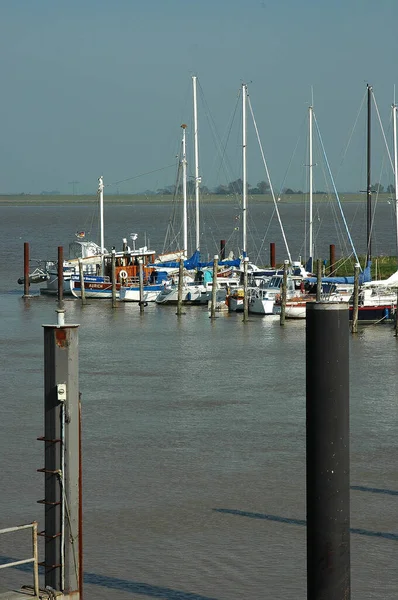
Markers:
point(101, 199)
point(394, 121)
point(310, 165)
point(244, 174)
point(196, 151)
point(184, 190)
point(369, 183)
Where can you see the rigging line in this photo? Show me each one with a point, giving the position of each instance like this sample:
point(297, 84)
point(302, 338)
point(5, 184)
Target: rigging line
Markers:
point(334, 187)
point(382, 130)
point(291, 158)
point(141, 175)
point(221, 147)
point(351, 134)
point(269, 180)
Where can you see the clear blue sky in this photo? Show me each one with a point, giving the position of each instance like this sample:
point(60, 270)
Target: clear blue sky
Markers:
point(91, 87)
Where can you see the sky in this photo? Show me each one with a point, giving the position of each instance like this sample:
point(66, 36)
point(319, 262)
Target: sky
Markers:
point(101, 87)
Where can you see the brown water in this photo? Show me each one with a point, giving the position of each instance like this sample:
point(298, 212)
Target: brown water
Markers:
point(184, 417)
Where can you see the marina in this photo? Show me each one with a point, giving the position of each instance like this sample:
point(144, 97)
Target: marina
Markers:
point(193, 439)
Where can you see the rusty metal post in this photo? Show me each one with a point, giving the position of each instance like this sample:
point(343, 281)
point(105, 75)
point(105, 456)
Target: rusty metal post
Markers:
point(332, 259)
point(26, 270)
point(61, 457)
point(327, 451)
point(222, 249)
point(272, 258)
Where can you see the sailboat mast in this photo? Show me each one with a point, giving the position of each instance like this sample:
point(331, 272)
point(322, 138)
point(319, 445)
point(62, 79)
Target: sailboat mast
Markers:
point(310, 165)
point(184, 190)
point(244, 173)
point(394, 122)
point(369, 183)
point(101, 201)
point(196, 152)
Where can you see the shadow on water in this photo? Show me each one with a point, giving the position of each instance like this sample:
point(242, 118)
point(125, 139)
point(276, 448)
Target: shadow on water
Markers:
point(124, 585)
point(288, 521)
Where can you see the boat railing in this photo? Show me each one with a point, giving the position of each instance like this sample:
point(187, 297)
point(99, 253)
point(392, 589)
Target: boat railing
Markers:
point(34, 559)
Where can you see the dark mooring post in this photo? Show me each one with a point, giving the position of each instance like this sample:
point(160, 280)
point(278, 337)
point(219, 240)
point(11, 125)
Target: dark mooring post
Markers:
point(26, 270)
point(62, 461)
point(327, 449)
point(332, 259)
point(222, 249)
point(272, 258)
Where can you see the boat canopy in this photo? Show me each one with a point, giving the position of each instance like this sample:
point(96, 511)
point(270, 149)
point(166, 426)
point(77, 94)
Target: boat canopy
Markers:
point(364, 277)
point(194, 263)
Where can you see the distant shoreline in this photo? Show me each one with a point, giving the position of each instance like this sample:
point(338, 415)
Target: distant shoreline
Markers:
point(59, 200)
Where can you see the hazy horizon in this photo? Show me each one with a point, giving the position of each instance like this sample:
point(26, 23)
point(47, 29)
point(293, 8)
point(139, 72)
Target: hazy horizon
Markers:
point(99, 88)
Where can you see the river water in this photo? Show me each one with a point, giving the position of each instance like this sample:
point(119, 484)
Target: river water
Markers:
point(184, 416)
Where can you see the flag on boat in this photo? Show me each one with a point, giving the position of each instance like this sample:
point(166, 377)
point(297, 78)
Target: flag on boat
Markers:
point(81, 234)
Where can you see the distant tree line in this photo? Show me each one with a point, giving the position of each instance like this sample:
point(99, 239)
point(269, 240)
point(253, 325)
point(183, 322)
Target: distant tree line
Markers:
point(236, 188)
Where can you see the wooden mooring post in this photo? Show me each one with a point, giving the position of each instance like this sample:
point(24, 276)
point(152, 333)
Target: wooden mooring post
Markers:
point(327, 451)
point(26, 265)
point(245, 290)
point(141, 284)
point(318, 279)
point(355, 304)
point(180, 284)
point(81, 278)
point(214, 288)
point(113, 275)
point(284, 293)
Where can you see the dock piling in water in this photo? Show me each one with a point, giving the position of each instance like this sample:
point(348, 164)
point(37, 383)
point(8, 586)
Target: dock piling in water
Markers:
point(180, 284)
point(141, 283)
point(26, 270)
point(214, 288)
point(327, 451)
point(113, 268)
point(354, 328)
point(284, 293)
